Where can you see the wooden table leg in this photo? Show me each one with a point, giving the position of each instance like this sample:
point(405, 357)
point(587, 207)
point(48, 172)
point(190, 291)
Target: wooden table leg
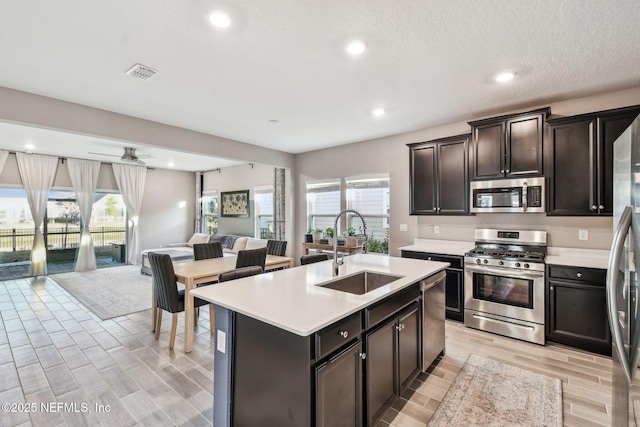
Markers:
point(154, 308)
point(188, 317)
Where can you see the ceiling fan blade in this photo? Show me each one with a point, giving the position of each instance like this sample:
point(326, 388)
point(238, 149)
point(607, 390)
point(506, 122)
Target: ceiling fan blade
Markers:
point(105, 154)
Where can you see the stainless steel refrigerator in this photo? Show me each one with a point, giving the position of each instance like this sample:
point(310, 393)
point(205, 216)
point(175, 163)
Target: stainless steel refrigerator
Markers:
point(622, 285)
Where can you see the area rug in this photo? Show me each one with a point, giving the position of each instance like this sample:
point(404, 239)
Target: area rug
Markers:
point(490, 393)
point(109, 292)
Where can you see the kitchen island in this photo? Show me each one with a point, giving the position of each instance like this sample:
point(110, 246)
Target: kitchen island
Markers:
point(290, 352)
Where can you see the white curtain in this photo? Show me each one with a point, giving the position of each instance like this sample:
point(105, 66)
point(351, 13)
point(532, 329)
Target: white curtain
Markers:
point(3, 158)
point(130, 180)
point(84, 178)
point(37, 173)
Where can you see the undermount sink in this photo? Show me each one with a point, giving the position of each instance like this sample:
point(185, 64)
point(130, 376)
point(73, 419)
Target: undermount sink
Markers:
point(360, 283)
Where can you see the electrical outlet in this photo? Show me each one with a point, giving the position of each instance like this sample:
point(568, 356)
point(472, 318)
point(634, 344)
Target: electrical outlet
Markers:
point(403, 227)
point(583, 234)
point(436, 229)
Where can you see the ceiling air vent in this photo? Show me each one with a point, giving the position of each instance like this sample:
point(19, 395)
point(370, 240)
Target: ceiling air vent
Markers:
point(141, 72)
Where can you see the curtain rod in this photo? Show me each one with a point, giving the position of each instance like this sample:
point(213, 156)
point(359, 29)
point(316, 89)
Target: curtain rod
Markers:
point(62, 159)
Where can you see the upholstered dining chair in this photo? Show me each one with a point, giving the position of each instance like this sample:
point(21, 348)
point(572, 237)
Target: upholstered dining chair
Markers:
point(276, 247)
point(311, 258)
point(251, 257)
point(239, 273)
point(207, 250)
point(168, 297)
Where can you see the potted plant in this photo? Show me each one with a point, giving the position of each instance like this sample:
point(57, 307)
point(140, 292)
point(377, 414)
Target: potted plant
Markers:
point(328, 232)
point(350, 236)
point(308, 236)
point(317, 235)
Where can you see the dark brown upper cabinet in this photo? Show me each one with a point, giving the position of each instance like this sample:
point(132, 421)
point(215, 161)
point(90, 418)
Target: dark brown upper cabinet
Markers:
point(580, 161)
point(439, 181)
point(508, 146)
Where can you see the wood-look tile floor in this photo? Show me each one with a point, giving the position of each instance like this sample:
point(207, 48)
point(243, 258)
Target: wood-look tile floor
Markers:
point(586, 377)
point(53, 350)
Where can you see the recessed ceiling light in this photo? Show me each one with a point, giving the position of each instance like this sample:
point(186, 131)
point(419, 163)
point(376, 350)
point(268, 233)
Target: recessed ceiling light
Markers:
point(356, 47)
point(378, 112)
point(220, 19)
point(505, 76)
point(170, 164)
point(29, 146)
point(273, 122)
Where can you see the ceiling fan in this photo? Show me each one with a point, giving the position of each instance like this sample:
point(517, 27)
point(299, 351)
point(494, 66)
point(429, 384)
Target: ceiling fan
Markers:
point(129, 156)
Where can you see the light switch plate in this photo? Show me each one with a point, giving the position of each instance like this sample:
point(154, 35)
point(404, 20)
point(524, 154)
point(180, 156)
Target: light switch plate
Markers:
point(436, 229)
point(221, 341)
point(583, 234)
point(403, 227)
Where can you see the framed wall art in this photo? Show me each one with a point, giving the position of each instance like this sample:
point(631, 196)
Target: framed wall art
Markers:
point(235, 203)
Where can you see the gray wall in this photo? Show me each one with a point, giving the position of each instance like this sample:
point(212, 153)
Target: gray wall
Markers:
point(245, 177)
point(391, 155)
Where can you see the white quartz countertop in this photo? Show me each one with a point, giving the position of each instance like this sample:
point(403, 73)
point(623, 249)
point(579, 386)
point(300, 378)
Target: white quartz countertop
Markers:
point(292, 300)
point(594, 258)
point(444, 247)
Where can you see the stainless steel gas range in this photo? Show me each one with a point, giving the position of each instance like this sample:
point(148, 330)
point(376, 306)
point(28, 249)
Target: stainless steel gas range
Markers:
point(504, 283)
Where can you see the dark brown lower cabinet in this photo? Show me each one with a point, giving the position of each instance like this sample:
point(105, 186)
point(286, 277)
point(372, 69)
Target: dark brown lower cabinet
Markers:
point(346, 374)
point(393, 360)
point(577, 308)
point(339, 389)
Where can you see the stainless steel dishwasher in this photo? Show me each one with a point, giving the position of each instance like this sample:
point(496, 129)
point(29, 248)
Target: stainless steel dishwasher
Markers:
point(432, 290)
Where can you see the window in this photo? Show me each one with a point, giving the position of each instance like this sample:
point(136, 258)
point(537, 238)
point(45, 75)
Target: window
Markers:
point(263, 198)
point(323, 204)
point(210, 212)
point(370, 197)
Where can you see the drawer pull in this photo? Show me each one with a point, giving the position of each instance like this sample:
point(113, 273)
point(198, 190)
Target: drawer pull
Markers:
point(343, 334)
point(363, 356)
point(400, 326)
point(579, 274)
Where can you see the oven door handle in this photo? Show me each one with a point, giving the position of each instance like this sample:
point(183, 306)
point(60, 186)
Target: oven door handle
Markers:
point(499, 272)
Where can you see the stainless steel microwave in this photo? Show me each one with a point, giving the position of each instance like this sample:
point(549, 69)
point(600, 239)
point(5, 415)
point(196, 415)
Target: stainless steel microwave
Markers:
point(525, 195)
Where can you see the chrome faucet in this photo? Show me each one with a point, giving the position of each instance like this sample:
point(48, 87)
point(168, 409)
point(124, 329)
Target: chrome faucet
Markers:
point(338, 262)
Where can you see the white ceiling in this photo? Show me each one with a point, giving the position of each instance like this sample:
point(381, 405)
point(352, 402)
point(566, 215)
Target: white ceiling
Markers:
point(428, 62)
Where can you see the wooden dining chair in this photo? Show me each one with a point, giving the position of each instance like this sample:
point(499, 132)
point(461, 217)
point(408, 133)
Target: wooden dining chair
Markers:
point(311, 258)
point(239, 273)
point(168, 297)
point(251, 257)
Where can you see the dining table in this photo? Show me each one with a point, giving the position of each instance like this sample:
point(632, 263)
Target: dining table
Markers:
point(193, 273)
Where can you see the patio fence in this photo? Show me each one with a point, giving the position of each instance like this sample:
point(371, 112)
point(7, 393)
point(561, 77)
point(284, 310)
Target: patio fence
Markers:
point(17, 239)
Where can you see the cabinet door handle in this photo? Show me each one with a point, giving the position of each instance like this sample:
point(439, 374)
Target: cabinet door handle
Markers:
point(594, 207)
point(501, 170)
point(343, 334)
point(507, 170)
point(550, 288)
point(601, 207)
point(363, 356)
point(579, 274)
point(400, 326)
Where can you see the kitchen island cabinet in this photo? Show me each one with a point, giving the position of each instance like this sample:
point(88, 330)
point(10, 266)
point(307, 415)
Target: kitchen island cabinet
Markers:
point(290, 352)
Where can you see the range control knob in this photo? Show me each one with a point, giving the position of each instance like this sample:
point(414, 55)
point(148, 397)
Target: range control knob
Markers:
point(526, 266)
point(485, 261)
point(517, 264)
point(478, 261)
point(500, 262)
